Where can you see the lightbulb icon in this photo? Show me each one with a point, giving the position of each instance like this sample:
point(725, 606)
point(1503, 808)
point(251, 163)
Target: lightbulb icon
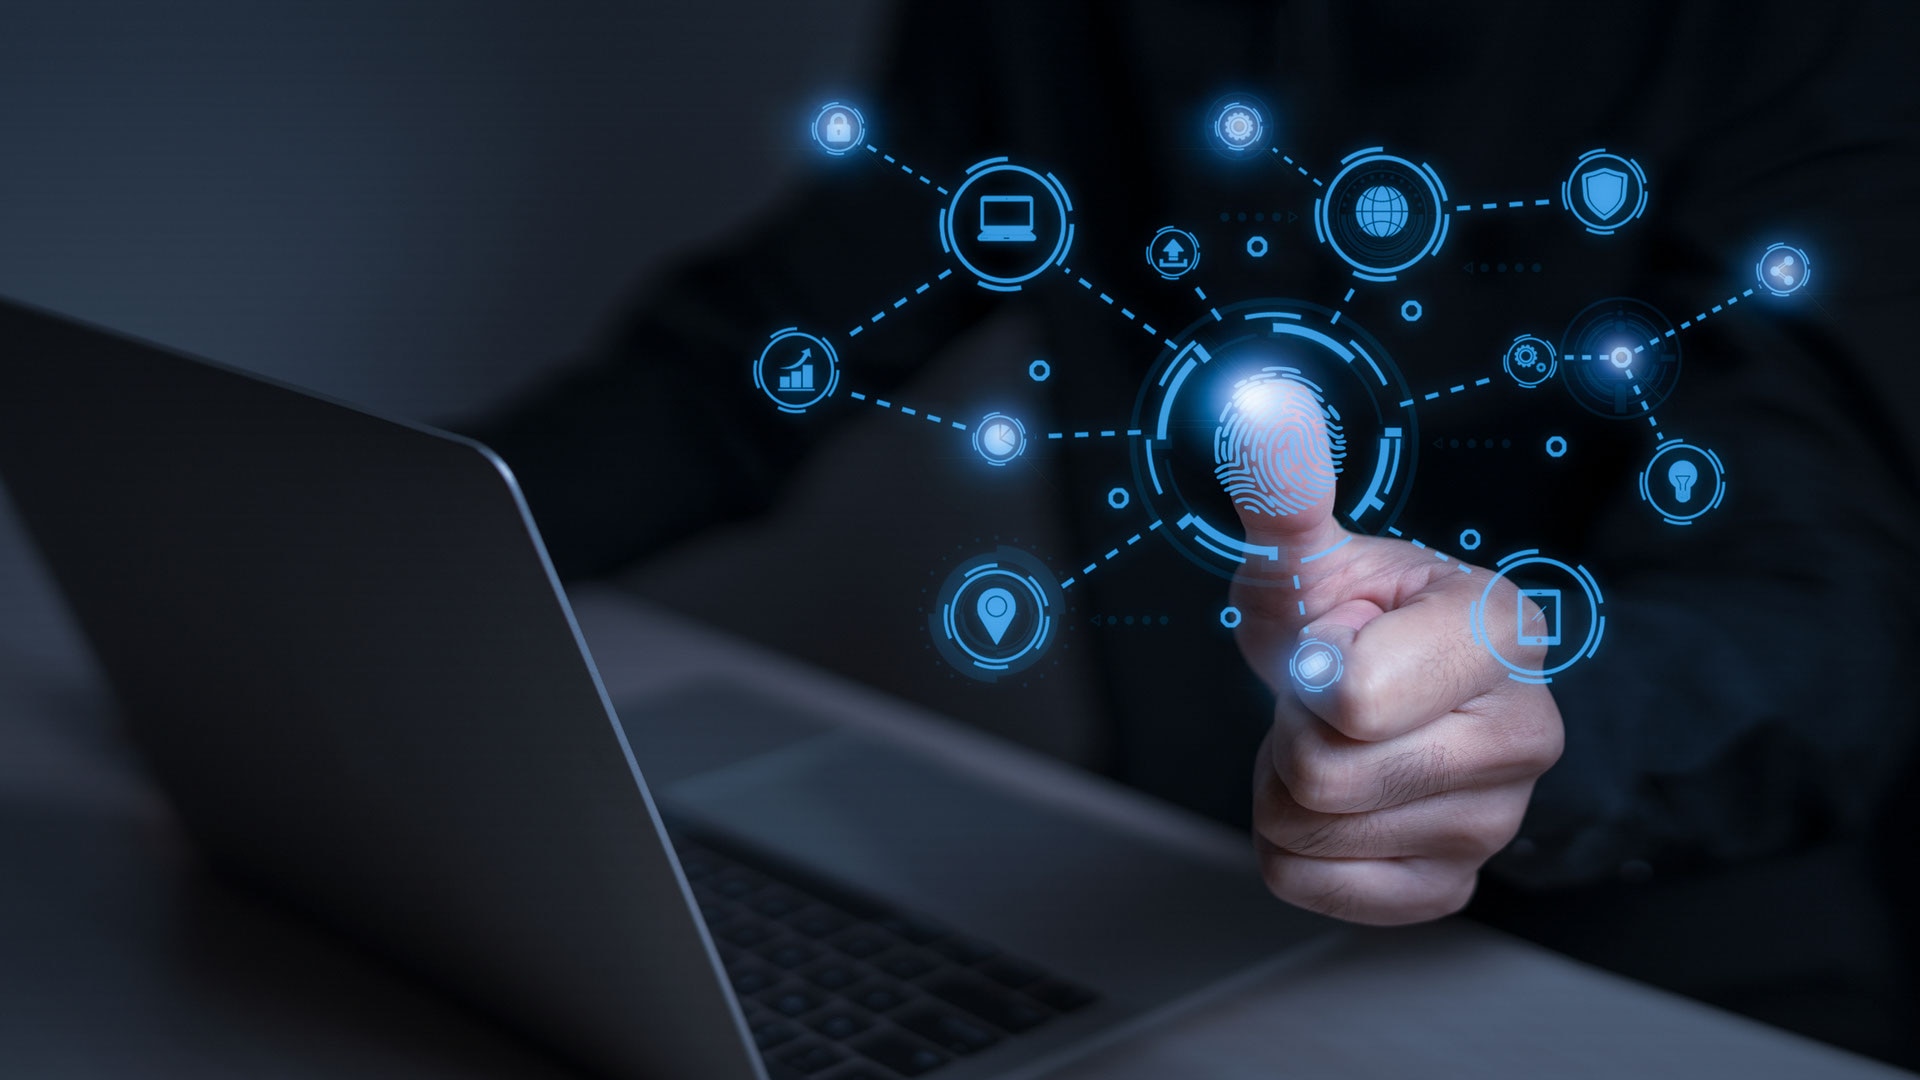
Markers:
point(1682, 474)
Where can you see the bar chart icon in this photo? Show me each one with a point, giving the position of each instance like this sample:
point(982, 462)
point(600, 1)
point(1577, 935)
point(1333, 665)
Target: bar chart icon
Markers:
point(797, 377)
point(796, 383)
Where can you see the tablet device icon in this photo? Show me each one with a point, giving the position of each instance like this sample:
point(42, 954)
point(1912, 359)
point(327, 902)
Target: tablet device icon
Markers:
point(1546, 629)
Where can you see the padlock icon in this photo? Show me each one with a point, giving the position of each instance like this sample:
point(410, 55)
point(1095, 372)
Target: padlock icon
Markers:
point(839, 128)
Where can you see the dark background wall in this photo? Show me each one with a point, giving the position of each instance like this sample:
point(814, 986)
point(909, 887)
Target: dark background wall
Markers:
point(421, 205)
point(410, 204)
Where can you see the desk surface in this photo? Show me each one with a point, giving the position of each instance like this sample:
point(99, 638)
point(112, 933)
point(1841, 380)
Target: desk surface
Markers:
point(121, 956)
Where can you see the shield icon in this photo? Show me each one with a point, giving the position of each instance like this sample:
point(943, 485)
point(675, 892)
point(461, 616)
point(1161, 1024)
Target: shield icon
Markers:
point(1605, 191)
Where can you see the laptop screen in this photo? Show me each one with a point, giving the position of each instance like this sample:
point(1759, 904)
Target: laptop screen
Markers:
point(1006, 211)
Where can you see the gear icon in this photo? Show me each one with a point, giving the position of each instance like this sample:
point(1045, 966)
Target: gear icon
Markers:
point(1239, 125)
point(1529, 360)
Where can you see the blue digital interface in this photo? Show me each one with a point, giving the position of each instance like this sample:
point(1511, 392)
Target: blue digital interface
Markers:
point(1259, 408)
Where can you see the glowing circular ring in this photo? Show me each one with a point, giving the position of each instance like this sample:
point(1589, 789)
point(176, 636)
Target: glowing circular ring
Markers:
point(1648, 486)
point(1411, 311)
point(1596, 627)
point(1176, 273)
point(1062, 204)
point(1020, 574)
point(1375, 158)
point(1239, 133)
point(1261, 243)
point(858, 128)
point(1806, 270)
point(1562, 451)
point(822, 387)
point(1530, 361)
point(1625, 166)
point(1316, 665)
point(1118, 498)
point(1019, 439)
point(1230, 616)
point(1039, 370)
point(1470, 540)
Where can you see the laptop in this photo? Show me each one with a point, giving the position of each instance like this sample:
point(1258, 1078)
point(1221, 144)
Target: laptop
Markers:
point(340, 646)
point(1006, 219)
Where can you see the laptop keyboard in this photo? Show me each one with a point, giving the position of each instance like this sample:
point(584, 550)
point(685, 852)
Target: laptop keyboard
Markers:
point(838, 987)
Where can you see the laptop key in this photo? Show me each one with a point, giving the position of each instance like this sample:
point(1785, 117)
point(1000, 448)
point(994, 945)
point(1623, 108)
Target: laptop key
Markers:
point(1011, 973)
point(1060, 996)
point(747, 934)
point(752, 980)
point(905, 964)
point(812, 1058)
point(833, 975)
point(820, 922)
point(778, 903)
point(962, 951)
point(880, 997)
point(901, 1053)
point(735, 884)
point(918, 931)
point(790, 954)
point(1001, 1008)
point(946, 1030)
point(791, 1001)
point(861, 943)
point(771, 1033)
point(842, 1024)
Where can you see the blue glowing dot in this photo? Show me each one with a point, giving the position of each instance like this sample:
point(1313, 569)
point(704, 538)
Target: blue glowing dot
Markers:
point(1229, 616)
point(1257, 246)
point(1470, 540)
point(1118, 498)
point(1557, 446)
point(1411, 311)
point(1039, 370)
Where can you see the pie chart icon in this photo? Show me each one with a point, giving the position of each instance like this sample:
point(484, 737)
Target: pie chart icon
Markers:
point(999, 438)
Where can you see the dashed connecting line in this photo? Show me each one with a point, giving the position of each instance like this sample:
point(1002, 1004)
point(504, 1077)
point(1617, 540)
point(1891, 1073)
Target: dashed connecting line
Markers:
point(1301, 168)
point(1213, 311)
point(1125, 312)
point(900, 303)
point(1639, 394)
point(1436, 552)
point(905, 411)
point(1109, 433)
point(1456, 389)
point(1513, 205)
point(922, 177)
point(1110, 555)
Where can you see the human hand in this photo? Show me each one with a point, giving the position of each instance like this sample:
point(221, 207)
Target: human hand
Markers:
point(1377, 799)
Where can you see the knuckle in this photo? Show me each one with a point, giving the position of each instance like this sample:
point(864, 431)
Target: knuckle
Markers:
point(1282, 874)
point(1318, 779)
point(1364, 698)
point(1415, 774)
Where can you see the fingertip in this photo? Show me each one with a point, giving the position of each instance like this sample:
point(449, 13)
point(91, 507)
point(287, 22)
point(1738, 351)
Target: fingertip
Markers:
point(1275, 457)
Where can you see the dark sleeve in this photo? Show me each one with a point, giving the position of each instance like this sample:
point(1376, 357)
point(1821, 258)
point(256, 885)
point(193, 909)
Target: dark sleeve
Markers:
point(660, 432)
point(1752, 694)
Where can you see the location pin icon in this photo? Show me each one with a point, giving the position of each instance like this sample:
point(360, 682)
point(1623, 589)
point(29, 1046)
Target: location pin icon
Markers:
point(996, 611)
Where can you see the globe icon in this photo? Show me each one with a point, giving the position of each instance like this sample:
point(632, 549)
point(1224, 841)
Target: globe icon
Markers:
point(1381, 211)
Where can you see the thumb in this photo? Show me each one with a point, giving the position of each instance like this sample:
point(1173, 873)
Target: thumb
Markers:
point(1275, 454)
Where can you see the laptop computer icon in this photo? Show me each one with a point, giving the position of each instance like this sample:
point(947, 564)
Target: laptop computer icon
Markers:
point(1006, 219)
